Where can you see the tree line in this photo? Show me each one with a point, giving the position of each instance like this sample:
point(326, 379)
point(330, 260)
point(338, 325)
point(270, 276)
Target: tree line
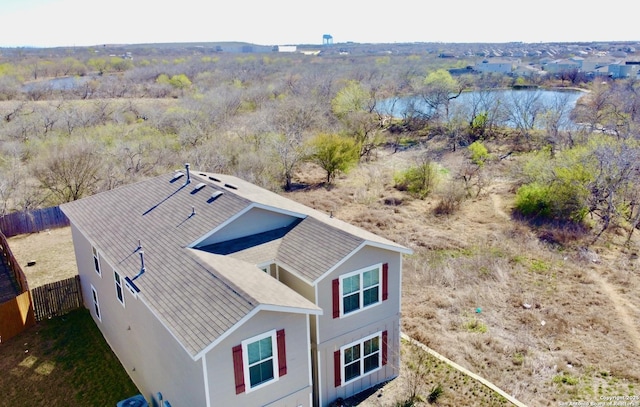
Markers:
point(115, 120)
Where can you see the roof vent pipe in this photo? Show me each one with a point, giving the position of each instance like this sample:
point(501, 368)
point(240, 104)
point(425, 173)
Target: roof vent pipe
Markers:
point(187, 165)
point(142, 268)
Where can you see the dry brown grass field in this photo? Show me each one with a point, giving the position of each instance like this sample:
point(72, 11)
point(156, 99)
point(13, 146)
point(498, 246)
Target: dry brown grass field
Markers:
point(52, 251)
point(547, 323)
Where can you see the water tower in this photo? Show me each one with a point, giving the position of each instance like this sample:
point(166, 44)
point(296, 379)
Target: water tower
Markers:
point(327, 39)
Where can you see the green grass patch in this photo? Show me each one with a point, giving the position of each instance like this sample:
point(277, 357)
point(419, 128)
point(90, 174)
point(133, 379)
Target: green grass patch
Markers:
point(539, 266)
point(565, 379)
point(442, 255)
point(62, 362)
point(473, 325)
point(518, 358)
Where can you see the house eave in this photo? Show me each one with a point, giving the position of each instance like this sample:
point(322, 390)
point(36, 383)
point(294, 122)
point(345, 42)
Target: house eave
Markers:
point(397, 249)
point(262, 307)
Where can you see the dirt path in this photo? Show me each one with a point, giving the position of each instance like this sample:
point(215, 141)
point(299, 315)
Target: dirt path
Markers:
point(621, 306)
point(497, 206)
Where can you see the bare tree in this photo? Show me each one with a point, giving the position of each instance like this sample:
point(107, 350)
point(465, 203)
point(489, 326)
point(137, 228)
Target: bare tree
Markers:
point(556, 120)
point(70, 172)
point(602, 110)
point(291, 123)
point(437, 91)
point(617, 174)
point(524, 109)
point(483, 112)
point(9, 87)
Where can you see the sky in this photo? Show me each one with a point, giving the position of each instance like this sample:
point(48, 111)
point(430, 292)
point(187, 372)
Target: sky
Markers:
point(52, 23)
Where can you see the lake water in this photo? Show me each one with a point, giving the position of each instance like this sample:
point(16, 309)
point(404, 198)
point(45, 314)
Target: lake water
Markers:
point(507, 104)
point(63, 83)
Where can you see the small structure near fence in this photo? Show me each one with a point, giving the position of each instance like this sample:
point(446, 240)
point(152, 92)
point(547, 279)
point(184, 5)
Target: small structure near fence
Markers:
point(16, 314)
point(57, 298)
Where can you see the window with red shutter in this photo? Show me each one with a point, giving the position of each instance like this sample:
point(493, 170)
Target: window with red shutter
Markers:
point(385, 348)
point(259, 361)
point(282, 354)
point(355, 291)
point(385, 281)
point(336, 297)
point(360, 358)
point(337, 367)
point(238, 369)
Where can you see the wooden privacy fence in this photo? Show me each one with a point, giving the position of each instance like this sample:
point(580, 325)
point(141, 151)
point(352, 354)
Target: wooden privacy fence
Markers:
point(37, 220)
point(57, 298)
point(13, 265)
point(15, 314)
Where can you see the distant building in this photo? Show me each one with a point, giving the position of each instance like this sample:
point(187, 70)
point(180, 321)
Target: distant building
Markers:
point(327, 39)
point(594, 64)
point(286, 48)
point(461, 71)
point(561, 65)
point(618, 71)
point(495, 66)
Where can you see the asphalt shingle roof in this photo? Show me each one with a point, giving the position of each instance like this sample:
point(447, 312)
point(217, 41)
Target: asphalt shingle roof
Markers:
point(200, 294)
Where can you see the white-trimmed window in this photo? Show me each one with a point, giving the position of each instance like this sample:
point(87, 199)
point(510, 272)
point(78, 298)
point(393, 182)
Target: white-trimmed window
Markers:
point(96, 303)
point(96, 261)
point(259, 361)
point(118, 282)
point(266, 267)
point(361, 358)
point(360, 289)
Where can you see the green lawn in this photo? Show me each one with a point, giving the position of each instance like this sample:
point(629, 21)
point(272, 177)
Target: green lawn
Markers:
point(62, 362)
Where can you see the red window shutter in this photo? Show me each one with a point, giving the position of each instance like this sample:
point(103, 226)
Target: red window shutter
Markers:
point(385, 281)
point(282, 355)
point(336, 298)
point(336, 368)
point(385, 347)
point(238, 369)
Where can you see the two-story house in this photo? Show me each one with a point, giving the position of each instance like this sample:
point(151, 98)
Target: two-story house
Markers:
point(215, 292)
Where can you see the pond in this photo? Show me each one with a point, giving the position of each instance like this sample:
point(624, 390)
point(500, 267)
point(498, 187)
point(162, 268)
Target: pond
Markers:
point(63, 83)
point(513, 107)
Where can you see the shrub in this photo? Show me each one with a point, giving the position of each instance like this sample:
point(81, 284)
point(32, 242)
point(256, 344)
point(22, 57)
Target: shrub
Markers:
point(451, 200)
point(406, 403)
point(419, 181)
point(334, 153)
point(479, 153)
point(473, 325)
point(518, 359)
point(556, 201)
point(533, 200)
point(565, 379)
point(435, 394)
